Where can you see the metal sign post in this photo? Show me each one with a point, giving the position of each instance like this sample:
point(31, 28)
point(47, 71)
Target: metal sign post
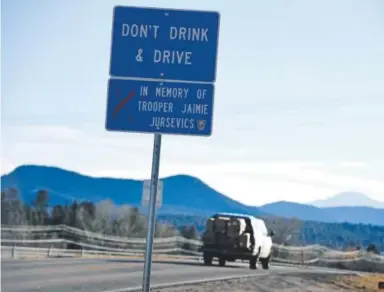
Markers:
point(147, 192)
point(162, 73)
point(152, 212)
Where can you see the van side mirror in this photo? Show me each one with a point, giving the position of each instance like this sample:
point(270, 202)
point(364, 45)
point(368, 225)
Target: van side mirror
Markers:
point(271, 233)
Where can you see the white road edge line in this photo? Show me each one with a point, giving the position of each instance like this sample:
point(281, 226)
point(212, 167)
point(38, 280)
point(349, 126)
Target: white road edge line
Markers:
point(193, 282)
point(181, 283)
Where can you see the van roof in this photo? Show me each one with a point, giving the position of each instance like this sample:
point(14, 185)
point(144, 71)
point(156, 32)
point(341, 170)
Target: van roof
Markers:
point(224, 214)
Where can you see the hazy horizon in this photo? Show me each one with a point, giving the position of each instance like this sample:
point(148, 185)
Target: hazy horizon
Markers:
point(326, 199)
point(299, 98)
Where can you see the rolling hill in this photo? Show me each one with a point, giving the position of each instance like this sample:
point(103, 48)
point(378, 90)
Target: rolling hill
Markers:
point(357, 215)
point(182, 195)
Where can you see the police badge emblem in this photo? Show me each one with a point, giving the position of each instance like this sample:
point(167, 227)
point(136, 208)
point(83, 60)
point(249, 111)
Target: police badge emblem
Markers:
point(201, 125)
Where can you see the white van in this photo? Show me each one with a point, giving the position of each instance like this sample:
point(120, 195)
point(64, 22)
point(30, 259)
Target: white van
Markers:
point(229, 237)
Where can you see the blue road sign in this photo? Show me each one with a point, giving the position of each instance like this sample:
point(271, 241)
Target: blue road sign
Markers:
point(160, 107)
point(164, 44)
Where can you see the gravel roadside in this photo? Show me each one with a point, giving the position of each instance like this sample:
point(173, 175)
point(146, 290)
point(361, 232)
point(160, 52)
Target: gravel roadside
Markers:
point(287, 283)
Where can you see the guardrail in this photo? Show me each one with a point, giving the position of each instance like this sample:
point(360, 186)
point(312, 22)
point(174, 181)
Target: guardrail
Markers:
point(25, 252)
point(19, 240)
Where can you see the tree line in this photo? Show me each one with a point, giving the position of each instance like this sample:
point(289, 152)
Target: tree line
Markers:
point(127, 221)
point(103, 217)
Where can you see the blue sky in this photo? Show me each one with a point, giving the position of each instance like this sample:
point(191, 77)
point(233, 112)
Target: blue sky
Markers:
point(299, 103)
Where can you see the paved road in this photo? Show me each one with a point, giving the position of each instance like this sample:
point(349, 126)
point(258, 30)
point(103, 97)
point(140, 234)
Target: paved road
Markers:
point(68, 275)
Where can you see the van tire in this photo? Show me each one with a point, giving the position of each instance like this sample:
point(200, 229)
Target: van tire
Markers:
point(253, 260)
point(221, 262)
point(253, 263)
point(265, 263)
point(207, 259)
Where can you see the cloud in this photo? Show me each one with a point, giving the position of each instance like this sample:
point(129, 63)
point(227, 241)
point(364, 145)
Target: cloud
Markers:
point(70, 141)
point(297, 181)
point(352, 164)
point(6, 166)
point(42, 133)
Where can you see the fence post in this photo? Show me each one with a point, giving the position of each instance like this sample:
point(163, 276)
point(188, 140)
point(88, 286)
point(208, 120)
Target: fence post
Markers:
point(180, 245)
point(302, 257)
point(13, 253)
point(50, 251)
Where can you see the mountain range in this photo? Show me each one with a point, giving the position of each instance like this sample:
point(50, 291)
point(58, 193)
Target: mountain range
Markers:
point(348, 199)
point(182, 194)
